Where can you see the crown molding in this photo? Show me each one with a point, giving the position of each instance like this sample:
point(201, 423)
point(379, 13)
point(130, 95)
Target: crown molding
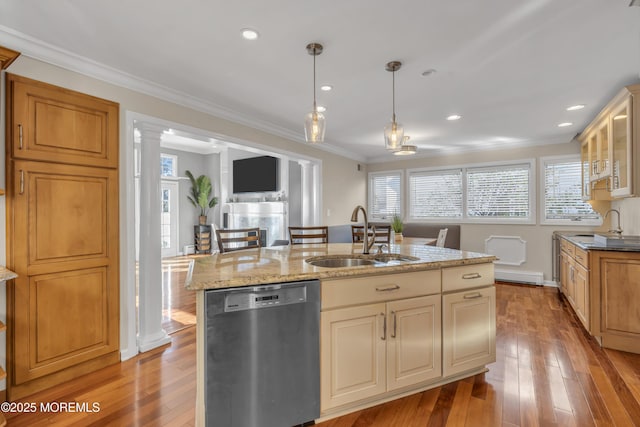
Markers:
point(48, 53)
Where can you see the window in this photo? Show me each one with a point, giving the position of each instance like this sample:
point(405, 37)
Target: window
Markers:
point(436, 194)
point(500, 192)
point(168, 165)
point(562, 201)
point(385, 195)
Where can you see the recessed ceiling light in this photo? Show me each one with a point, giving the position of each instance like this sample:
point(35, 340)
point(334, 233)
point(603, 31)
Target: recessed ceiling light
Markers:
point(575, 107)
point(564, 124)
point(249, 34)
point(454, 117)
point(321, 108)
point(326, 88)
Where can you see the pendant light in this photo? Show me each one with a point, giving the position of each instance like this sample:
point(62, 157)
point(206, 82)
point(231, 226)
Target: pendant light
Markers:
point(393, 132)
point(406, 149)
point(314, 121)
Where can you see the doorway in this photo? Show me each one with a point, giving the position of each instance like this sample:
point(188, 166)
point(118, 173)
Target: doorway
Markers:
point(169, 218)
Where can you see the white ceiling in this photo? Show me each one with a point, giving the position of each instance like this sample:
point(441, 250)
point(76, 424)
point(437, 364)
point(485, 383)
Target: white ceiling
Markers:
point(509, 67)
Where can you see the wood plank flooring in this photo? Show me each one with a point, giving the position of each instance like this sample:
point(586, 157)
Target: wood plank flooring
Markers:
point(548, 372)
point(178, 304)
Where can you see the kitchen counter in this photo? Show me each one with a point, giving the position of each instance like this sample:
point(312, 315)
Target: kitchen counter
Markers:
point(287, 263)
point(585, 240)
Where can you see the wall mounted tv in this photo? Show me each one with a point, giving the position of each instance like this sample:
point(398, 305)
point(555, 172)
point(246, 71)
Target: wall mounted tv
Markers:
point(256, 175)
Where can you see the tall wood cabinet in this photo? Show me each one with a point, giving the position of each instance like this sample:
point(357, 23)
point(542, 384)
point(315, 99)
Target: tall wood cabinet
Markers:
point(574, 280)
point(63, 236)
point(610, 149)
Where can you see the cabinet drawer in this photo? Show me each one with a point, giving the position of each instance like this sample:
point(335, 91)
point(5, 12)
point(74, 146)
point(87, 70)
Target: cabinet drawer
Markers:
point(364, 290)
point(582, 257)
point(567, 247)
point(467, 276)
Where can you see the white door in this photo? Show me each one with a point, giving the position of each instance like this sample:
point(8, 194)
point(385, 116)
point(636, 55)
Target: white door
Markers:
point(169, 218)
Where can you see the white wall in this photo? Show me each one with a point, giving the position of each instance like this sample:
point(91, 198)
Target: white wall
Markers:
point(537, 236)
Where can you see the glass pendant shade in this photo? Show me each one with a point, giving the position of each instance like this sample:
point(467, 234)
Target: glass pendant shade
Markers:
point(406, 150)
point(314, 127)
point(393, 135)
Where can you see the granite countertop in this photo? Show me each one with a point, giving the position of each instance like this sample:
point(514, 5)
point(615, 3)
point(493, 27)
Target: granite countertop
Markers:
point(287, 263)
point(585, 240)
point(6, 274)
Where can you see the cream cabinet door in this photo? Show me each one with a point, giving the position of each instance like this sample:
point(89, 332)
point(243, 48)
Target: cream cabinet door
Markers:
point(468, 330)
point(414, 341)
point(581, 298)
point(353, 354)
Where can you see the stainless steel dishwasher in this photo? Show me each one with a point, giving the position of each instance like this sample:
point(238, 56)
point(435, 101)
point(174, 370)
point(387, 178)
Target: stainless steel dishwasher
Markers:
point(263, 355)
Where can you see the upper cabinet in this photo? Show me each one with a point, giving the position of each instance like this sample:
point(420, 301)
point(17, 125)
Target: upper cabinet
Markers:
point(609, 149)
point(48, 123)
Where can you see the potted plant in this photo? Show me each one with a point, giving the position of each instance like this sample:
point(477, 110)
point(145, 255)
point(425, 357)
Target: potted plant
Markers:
point(397, 226)
point(200, 196)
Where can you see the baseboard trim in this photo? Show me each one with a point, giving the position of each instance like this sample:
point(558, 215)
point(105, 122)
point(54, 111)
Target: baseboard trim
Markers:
point(528, 277)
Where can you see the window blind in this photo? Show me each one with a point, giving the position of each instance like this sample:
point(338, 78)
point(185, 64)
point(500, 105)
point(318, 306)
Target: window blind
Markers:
point(563, 192)
point(384, 196)
point(498, 192)
point(436, 194)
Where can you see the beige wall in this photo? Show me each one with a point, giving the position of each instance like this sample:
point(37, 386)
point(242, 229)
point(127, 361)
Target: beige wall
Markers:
point(336, 170)
point(537, 236)
point(629, 215)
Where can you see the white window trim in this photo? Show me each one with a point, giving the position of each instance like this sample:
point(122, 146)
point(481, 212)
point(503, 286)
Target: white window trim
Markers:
point(541, 180)
point(466, 220)
point(175, 165)
point(370, 195)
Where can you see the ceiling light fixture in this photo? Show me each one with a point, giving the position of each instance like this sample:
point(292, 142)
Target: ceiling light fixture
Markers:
point(454, 117)
point(406, 149)
point(322, 109)
point(326, 88)
point(314, 121)
point(575, 107)
point(393, 132)
point(564, 124)
point(249, 34)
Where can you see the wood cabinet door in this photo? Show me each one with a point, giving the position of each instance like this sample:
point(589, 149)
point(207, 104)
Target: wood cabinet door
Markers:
point(414, 341)
point(468, 330)
point(353, 355)
point(54, 124)
point(565, 273)
point(64, 306)
point(581, 299)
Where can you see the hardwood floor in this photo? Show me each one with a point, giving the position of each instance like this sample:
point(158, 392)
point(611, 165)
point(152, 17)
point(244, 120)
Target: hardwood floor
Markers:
point(548, 373)
point(178, 304)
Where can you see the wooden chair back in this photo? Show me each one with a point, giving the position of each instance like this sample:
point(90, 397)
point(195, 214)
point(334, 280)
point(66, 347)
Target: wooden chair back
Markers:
point(442, 236)
point(383, 233)
point(238, 239)
point(300, 235)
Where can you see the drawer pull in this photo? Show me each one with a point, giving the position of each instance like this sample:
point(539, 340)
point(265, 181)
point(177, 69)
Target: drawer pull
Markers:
point(471, 276)
point(384, 327)
point(473, 295)
point(388, 288)
point(20, 137)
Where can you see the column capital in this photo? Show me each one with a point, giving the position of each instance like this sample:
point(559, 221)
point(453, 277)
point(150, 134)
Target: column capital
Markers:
point(149, 131)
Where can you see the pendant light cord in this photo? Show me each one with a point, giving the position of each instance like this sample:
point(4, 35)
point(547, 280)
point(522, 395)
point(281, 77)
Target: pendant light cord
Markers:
point(393, 96)
point(315, 109)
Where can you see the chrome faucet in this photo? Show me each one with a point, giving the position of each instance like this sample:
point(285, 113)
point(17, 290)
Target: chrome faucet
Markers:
point(365, 238)
point(616, 230)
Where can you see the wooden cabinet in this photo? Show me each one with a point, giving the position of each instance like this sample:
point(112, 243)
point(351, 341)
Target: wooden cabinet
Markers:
point(574, 280)
point(62, 213)
point(616, 319)
point(374, 348)
point(202, 235)
point(609, 149)
point(468, 318)
point(53, 124)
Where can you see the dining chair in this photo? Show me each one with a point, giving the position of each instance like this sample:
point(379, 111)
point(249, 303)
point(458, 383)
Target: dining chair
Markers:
point(383, 233)
point(311, 234)
point(238, 239)
point(442, 236)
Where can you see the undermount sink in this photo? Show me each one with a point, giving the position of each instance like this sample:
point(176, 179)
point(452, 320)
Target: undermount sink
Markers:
point(336, 261)
point(394, 257)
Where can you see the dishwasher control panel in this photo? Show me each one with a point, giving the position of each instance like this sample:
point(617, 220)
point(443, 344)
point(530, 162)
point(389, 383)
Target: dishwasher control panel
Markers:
point(264, 296)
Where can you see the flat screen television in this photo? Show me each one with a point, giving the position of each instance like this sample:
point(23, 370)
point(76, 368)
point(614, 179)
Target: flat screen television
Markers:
point(256, 175)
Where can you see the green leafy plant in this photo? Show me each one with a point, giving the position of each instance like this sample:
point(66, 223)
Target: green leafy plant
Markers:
point(396, 223)
point(200, 196)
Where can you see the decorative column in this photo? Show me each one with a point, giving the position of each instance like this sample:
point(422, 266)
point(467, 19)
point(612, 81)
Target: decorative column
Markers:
point(150, 332)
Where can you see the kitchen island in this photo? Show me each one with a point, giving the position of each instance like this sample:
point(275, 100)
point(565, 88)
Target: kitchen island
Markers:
point(421, 317)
